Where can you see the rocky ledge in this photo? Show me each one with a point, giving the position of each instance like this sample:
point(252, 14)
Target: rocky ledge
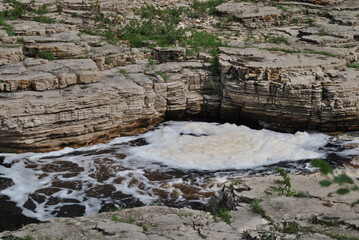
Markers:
point(79, 72)
point(249, 208)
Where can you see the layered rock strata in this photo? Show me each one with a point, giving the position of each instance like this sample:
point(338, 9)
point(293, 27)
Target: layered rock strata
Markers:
point(65, 82)
point(289, 91)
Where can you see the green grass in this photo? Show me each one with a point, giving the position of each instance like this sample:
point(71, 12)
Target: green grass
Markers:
point(279, 6)
point(256, 207)
point(163, 75)
point(223, 214)
point(42, 19)
point(41, 10)
point(45, 55)
point(283, 50)
point(144, 226)
point(201, 9)
point(353, 65)
point(322, 32)
point(277, 40)
point(326, 53)
point(291, 227)
point(339, 236)
point(124, 73)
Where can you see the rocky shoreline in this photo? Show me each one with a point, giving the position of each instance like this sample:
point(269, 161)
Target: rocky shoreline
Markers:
point(81, 72)
point(312, 214)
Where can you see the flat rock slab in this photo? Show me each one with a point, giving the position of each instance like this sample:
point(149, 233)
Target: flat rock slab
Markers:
point(245, 10)
point(138, 223)
point(41, 75)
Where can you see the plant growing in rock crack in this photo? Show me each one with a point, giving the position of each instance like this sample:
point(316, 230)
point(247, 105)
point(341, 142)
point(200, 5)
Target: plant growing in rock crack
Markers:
point(163, 75)
point(257, 208)
point(285, 185)
point(353, 65)
point(277, 40)
point(223, 214)
point(345, 182)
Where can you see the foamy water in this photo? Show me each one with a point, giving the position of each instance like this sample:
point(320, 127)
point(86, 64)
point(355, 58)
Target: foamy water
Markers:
point(178, 164)
point(211, 146)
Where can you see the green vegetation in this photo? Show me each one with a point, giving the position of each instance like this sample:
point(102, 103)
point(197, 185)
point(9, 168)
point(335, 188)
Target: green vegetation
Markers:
point(345, 182)
point(7, 27)
point(144, 226)
point(322, 32)
point(42, 9)
point(283, 50)
point(310, 21)
point(163, 75)
point(285, 187)
point(256, 207)
point(124, 73)
point(201, 9)
point(45, 55)
point(42, 19)
point(202, 236)
point(279, 6)
point(353, 65)
point(291, 227)
point(223, 214)
point(329, 54)
point(277, 40)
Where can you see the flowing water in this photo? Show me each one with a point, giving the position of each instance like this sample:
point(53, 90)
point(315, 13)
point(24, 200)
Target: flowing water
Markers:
point(176, 164)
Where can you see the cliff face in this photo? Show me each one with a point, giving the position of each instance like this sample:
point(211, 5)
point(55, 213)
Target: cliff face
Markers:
point(289, 91)
point(70, 77)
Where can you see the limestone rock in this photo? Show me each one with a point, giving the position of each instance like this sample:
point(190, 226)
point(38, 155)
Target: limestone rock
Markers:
point(292, 86)
point(10, 54)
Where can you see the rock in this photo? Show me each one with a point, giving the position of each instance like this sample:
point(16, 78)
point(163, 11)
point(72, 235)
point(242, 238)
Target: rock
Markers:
point(255, 79)
point(253, 16)
point(168, 54)
point(10, 54)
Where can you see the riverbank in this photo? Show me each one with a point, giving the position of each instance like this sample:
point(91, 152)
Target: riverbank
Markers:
point(311, 215)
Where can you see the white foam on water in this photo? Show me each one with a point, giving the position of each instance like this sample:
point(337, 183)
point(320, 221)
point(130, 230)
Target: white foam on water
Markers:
point(214, 147)
point(225, 146)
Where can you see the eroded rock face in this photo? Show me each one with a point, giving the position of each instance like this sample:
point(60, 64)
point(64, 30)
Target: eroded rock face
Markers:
point(289, 66)
point(289, 91)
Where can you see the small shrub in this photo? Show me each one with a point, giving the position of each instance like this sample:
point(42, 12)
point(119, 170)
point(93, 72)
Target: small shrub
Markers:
point(42, 9)
point(285, 187)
